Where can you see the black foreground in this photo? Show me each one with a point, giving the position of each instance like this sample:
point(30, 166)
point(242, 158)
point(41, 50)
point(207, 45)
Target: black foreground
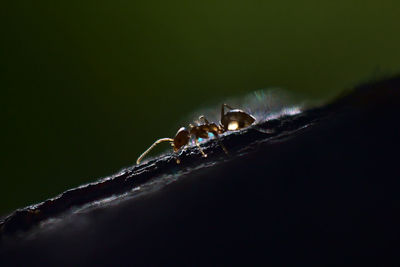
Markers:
point(322, 186)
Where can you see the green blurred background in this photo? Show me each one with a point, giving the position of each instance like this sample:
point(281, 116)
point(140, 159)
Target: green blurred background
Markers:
point(88, 85)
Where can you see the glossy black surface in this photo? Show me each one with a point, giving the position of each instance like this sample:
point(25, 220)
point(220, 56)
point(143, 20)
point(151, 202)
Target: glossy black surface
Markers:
point(323, 187)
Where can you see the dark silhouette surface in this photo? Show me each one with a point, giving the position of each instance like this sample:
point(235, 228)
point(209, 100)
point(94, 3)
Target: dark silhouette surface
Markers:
point(321, 186)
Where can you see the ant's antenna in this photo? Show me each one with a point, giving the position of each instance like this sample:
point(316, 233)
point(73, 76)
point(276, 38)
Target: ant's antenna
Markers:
point(152, 146)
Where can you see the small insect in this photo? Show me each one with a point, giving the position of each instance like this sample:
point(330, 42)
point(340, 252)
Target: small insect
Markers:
point(232, 120)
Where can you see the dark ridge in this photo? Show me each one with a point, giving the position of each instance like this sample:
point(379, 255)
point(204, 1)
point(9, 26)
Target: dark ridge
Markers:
point(321, 186)
point(24, 219)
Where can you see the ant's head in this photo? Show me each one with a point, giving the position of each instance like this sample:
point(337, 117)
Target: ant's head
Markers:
point(181, 138)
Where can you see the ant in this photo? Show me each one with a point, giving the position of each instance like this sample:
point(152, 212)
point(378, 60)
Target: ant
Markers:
point(233, 120)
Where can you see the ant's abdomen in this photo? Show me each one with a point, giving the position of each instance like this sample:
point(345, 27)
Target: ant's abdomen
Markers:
point(236, 119)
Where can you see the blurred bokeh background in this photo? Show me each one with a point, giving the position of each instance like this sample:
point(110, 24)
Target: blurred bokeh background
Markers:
point(88, 85)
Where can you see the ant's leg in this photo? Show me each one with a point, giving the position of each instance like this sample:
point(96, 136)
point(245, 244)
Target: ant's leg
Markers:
point(202, 118)
point(176, 156)
point(201, 150)
point(220, 143)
